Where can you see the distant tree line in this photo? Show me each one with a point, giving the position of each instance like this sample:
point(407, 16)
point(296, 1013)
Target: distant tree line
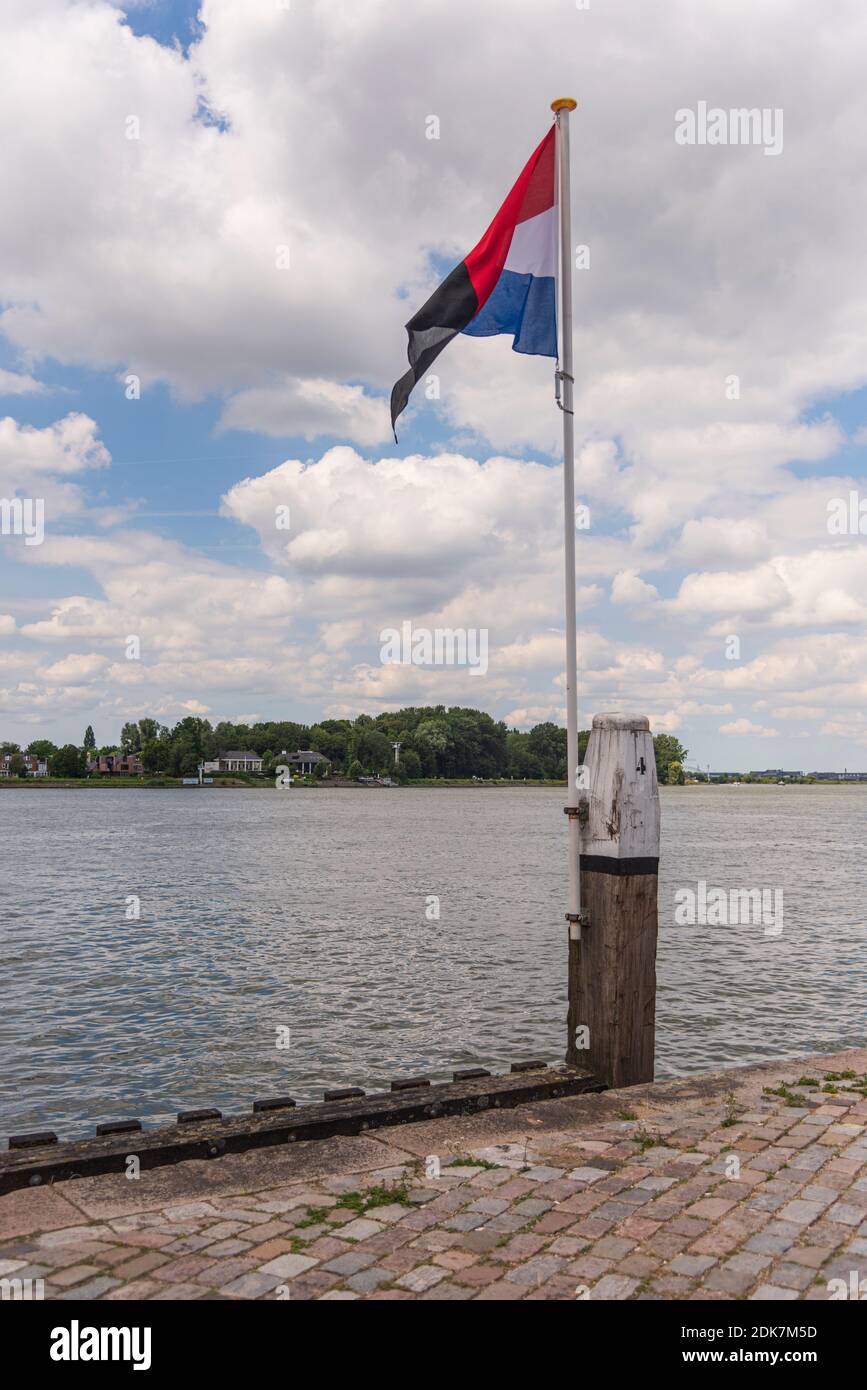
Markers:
point(435, 741)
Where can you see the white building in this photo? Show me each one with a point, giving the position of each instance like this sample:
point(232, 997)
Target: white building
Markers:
point(306, 761)
point(235, 761)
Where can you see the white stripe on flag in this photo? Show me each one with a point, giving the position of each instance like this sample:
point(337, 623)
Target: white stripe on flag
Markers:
point(534, 245)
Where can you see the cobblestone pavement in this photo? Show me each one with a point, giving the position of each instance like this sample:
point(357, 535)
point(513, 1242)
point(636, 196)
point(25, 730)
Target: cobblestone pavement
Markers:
point(754, 1191)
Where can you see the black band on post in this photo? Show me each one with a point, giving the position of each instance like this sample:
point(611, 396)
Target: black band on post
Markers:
point(620, 868)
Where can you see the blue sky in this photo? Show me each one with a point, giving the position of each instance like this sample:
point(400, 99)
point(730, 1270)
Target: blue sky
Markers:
point(168, 21)
point(708, 515)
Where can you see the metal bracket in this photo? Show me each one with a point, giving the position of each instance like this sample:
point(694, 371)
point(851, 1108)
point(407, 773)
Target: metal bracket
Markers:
point(560, 376)
point(581, 811)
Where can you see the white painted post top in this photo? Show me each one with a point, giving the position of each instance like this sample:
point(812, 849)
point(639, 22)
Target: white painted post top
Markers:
point(623, 811)
point(616, 720)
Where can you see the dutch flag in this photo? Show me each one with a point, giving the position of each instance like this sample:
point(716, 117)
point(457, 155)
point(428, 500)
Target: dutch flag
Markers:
point(505, 285)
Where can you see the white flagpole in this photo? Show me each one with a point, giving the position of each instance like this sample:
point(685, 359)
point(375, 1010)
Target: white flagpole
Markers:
point(562, 107)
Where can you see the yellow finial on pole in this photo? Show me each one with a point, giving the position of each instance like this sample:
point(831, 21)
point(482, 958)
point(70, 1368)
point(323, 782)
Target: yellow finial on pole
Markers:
point(564, 104)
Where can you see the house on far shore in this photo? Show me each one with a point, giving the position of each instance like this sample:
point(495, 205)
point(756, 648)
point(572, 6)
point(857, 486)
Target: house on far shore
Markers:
point(234, 761)
point(839, 776)
point(305, 761)
point(34, 766)
point(116, 765)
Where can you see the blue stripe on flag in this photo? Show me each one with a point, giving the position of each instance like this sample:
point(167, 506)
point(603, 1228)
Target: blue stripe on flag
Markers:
point(524, 305)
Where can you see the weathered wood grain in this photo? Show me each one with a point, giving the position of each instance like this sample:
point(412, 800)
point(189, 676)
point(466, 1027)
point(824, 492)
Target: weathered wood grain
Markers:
point(616, 996)
point(612, 969)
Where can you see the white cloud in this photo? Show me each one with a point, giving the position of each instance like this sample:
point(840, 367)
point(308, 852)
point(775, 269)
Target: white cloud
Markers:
point(412, 531)
point(629, 589)
point(19, 384)
point(746, 726)
point(310, 408)
point(162, 255)
point(169, 241)
point(75, 669)
point(802, 713)
point(711, 538)
point(37, 463)
point(68, 446)
point(823, 587)
point(759, 591)
point(535, 714)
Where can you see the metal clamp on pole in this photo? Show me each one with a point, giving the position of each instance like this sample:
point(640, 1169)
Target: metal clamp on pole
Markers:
point(558, 377)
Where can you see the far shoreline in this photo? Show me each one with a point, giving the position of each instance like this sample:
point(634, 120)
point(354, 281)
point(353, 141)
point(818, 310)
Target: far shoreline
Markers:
point(325, 784)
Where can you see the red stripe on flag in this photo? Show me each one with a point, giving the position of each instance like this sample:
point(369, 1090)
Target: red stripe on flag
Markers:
point(533, 193)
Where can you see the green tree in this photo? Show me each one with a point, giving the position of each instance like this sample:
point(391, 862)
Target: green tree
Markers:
point(433, 743)
point(547, 743)
point(667, 749)
point(521, 761)
point(186, 761)
point(130, 738)
point(410, 763)
point(154, 753)
point(476, 745)
point(182, 757)
point(68, 761)
point(42, 747)
point(17, 766)
point(355, 769)
point(373, 749)
point(331, 737)
point(89, 738)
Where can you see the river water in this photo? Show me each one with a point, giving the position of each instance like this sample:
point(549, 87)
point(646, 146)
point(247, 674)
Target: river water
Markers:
point(287, 941)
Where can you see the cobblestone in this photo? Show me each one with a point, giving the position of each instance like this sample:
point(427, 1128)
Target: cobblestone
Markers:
point(590, 1206)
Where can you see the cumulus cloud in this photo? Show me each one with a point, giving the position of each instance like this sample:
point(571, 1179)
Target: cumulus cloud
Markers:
point(19, 384)
point(75, 669)
point(271, 260)
point(536, 714)
point(822, 587)
point(629, 589)
point(68, 446)
point(283, 251)
point(746, 726)
point(36, 464)
point(144, 578)
point(709, 538)
point(422, 526)
point(311, 409)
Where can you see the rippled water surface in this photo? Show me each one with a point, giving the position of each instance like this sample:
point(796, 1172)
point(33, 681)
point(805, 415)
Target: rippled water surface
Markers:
point(305, 910)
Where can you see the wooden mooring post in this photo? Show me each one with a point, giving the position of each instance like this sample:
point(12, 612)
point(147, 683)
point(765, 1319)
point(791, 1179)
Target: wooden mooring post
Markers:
point(612, 967)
